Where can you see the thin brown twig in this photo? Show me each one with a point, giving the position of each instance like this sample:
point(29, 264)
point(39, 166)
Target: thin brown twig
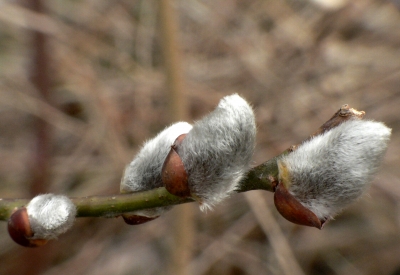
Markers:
point(279, 243)
point(183, 232)
point(215, 250)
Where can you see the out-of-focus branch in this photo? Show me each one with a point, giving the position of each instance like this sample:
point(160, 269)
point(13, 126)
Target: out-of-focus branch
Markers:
point(183, 231)
point(39, 170)
point(279, 243)
point(172, 61)
point(39, 166)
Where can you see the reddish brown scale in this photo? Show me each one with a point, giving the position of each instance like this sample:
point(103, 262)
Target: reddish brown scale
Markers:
point(174, 177)
point(20, 231)
point(136, 219)
point(292, 210)
point(173, 173)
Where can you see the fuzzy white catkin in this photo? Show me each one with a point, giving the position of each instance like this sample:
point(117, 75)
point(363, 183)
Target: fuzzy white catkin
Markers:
point(50, 215)
point(332, 170)
point(218, 150)
point(144, 172)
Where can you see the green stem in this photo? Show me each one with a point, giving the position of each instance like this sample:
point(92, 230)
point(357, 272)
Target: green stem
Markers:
point(111, 206)
point(260, 177)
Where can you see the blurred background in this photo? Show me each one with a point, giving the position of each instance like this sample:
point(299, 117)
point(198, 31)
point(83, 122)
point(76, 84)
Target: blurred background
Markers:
point(84, 83)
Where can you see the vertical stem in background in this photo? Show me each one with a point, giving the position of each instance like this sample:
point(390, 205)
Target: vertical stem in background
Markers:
point(39, 74)
point(183, 221)
point(172, 61)
point(36, 261)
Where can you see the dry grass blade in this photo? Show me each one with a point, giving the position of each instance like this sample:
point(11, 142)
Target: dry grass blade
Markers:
point(277, 239)
point(216, 250)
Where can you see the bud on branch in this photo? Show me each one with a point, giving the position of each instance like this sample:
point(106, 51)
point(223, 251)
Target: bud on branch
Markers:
point(44, 218)
point(207, 162)
point(216, 153)
point(144, 172)
point(330, 171)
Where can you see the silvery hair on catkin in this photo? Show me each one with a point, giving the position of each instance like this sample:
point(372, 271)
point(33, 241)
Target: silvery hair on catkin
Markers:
point(332, 170)
point(144, 172)
point(218, 150)
point(50, 215)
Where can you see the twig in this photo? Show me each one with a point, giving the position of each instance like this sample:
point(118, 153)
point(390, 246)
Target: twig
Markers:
point(215, 251)
point(279, 243)
point(40, 77)
point(183, 229)
point(262, 177)
point(111, 206)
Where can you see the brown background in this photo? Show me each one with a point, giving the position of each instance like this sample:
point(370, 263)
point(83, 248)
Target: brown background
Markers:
point(297, 62)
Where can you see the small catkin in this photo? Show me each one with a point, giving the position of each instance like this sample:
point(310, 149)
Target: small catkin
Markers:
point(144, 172)
point(50, 215)
point(332, 170)
point(218, 150)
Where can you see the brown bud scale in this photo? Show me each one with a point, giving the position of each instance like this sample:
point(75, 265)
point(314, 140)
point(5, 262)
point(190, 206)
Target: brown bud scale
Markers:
point(20, 231)
point(292, 210)
point(137, 219)
point(173, 173)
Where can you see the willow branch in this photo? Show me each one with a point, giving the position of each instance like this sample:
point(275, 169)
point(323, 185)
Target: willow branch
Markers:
point(111, 206)
point(262, 177)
